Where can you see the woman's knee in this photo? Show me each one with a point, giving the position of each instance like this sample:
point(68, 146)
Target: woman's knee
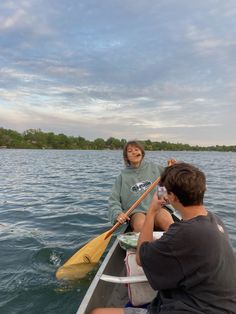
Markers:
point(137, 221)
point(163, 220)
point(97, 311)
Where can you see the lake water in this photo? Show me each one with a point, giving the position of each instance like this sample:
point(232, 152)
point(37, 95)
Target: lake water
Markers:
point(53, 201)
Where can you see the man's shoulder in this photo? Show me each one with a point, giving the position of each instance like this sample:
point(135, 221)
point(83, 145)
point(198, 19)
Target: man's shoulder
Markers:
point(197, 230)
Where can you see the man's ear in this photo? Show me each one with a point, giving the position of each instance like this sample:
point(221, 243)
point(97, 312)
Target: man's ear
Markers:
point(172, 197)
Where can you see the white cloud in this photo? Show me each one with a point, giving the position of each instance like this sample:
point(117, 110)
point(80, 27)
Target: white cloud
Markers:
point(12, 21)
point(157, 69)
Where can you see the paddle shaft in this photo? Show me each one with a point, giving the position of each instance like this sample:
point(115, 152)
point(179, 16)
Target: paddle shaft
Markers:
point(129, 211)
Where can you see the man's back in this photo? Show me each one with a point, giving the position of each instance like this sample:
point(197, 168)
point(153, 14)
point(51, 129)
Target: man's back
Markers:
point(193, 266)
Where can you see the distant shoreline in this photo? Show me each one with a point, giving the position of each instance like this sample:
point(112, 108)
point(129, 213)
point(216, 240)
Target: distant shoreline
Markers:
point(37, 139)
point(118, 149)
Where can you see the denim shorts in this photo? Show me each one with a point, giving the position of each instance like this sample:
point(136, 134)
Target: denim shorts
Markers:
point(133, 310)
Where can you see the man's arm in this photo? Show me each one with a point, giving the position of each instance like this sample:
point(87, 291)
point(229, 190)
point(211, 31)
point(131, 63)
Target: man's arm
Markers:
point(146, 233)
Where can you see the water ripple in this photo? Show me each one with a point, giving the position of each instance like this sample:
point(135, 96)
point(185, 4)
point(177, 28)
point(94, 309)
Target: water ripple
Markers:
point(52, 202)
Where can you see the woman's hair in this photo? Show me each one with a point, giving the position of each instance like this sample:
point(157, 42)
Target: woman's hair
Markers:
point(135, 144)
point(187, 182)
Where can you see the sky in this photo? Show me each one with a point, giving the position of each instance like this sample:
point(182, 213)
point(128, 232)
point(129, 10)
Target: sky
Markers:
point(163, 70)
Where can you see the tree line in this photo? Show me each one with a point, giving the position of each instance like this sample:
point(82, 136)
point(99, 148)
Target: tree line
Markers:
point(36, 138)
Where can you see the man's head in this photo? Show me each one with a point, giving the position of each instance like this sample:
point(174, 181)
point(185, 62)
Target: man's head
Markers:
point(186, 182)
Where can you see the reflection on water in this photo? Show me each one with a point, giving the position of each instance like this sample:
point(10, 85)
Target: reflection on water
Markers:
point(52, 202)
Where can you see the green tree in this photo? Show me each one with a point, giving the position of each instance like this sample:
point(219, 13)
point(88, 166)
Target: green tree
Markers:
point(99, 143)
point(113, 143)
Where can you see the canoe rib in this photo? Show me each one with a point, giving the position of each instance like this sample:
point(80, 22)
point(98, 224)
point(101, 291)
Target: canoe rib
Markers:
point(124, 280)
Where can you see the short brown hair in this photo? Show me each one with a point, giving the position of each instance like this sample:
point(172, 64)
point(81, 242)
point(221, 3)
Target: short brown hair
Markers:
point(135, 144)
point(186, 181)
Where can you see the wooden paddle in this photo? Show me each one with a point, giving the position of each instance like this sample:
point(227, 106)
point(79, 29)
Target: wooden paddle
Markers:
point(89, 255)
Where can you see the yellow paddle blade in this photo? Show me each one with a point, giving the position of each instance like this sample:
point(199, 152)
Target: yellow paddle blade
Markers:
point(84, 260)
point(74, 271)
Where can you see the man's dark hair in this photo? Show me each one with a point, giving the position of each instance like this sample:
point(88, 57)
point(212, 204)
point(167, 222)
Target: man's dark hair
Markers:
point(135, 144)
point(187, 182)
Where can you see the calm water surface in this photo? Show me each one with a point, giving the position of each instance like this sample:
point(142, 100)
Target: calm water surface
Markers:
point(53, 201)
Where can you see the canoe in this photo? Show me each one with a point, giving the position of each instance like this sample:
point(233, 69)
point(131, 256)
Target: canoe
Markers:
point(108, 288)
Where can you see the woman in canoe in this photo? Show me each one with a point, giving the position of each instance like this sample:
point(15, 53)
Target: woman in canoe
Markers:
point(137, 176)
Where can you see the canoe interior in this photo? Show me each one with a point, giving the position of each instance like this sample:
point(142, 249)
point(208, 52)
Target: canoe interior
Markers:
point(105, 294)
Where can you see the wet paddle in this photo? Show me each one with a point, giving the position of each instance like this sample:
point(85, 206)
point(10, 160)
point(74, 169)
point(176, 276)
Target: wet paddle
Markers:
point(89, 255)
point(84, 260)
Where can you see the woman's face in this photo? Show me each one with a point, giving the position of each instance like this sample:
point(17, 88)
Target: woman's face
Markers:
point(134, 155)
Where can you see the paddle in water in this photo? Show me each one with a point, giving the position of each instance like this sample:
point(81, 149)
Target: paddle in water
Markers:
point(84, 260)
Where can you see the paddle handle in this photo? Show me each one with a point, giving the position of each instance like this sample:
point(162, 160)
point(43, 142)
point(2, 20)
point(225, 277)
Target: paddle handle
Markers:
point(129, 211)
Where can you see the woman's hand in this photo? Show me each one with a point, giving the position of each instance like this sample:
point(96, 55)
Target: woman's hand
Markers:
point(122, 218)
point(171, 162)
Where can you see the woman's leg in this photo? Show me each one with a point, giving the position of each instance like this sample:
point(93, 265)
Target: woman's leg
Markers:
point(163, 220)
point(137, 221)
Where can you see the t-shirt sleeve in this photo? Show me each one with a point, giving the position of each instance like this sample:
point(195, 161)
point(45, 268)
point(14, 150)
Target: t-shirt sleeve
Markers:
point(160, 265)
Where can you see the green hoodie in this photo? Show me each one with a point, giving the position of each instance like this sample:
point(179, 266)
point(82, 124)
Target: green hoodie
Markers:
point(130, 185)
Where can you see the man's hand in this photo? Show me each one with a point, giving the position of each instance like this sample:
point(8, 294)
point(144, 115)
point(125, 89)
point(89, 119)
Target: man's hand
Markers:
point(156, 205)
point(146, 233)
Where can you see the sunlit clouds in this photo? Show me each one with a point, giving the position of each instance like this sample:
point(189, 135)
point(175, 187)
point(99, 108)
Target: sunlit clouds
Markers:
point(158, 70)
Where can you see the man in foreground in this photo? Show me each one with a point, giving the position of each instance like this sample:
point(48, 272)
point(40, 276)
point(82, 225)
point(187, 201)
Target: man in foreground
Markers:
point(192, 265)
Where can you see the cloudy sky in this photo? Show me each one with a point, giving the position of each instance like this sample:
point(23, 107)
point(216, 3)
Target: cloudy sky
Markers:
point(133, 69)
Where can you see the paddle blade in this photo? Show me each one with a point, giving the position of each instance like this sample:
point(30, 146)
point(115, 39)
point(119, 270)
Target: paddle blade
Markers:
point(84, 260)
point(74, 271)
